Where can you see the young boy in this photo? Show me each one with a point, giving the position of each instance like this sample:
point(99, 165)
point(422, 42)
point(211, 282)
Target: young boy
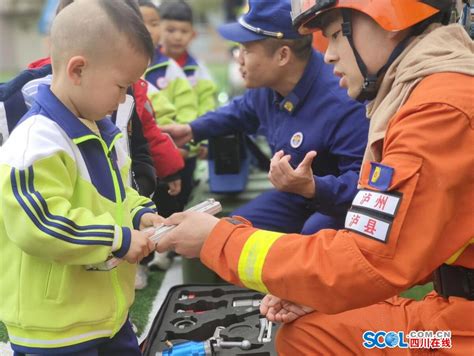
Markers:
point(177, 32)
point(63, 201)
point(165, 77)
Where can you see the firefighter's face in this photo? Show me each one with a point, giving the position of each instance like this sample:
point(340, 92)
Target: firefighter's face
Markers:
point(374, 52)
point(257, 67)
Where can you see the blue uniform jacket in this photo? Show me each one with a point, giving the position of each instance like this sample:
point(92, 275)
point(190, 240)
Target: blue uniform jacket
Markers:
point(317, 115)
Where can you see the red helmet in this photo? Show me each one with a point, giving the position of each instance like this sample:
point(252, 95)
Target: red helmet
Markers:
point(391, 15)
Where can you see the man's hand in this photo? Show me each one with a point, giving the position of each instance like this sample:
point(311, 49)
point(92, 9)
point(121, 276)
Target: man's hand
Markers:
point(140, 246)
point(188, 237)
point(282, 311)
point(174, 187)
point(150, 220)
point(286, 179)
point(181, 134)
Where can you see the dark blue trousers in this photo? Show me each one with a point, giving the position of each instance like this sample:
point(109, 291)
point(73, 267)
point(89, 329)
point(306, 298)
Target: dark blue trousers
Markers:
point(288, 213)
point(124, 343)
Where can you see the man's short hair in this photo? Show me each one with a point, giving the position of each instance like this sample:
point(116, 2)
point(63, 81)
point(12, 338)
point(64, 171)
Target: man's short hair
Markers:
point(177, 10)
point(301, 47)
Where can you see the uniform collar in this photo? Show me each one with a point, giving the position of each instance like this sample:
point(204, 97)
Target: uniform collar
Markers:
point(73, 127)
point(297, 96)
point(159, 57)
point(183, 59)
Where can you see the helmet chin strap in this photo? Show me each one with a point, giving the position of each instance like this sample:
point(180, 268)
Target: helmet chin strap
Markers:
point(371, 83)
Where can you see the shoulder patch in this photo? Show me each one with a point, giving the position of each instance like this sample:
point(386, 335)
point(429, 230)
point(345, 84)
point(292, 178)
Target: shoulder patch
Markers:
point(370, 226)
point(377, 202)
point(380, 176)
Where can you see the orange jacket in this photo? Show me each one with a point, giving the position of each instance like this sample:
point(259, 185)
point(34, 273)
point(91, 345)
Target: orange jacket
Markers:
point(430, 146)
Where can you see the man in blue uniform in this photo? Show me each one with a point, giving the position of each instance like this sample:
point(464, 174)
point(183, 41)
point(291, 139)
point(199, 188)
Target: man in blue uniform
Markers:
point(316, 132)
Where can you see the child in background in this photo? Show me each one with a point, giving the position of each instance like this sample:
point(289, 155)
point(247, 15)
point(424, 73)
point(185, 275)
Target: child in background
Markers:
point(165, 74)
point(177, 33)
point(165, 77)
point(63, 201)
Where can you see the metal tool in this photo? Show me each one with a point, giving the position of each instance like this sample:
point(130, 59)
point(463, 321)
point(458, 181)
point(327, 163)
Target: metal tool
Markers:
point(210, 206)
point(219, 343)
point(265, 332)
point(246, 303)
point(205, 348)
point(184, 323)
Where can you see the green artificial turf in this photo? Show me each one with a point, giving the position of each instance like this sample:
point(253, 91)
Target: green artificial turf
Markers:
point(3, 333)
point(141, 308)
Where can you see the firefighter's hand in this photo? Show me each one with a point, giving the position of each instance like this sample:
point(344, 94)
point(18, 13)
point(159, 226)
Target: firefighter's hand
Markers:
point(282, 311)
point(140, 246)
point(174, 187)
point(188, 237)
point(150, 220)
point(286, 179)
point(181, 134)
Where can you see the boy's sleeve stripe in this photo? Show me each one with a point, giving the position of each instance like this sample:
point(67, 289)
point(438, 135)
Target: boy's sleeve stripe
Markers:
point(72, 224)
point(138, 215)
point(46, 229)
point(150, 205)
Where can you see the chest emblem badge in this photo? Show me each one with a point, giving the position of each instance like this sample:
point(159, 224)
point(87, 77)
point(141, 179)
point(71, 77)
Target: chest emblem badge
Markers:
point(296, 140)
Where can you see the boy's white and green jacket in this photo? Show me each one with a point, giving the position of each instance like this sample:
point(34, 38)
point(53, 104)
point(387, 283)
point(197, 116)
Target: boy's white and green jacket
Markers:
point(63, 205)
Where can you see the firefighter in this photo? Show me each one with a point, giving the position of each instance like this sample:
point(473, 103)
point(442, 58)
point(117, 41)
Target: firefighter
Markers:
point(411, 220)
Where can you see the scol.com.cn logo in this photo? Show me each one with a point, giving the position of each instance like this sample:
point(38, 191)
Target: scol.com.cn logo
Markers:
point(413, 340)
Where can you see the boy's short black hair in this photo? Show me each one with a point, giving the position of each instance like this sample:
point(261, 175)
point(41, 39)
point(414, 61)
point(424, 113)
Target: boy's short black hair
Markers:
point(129, 23)
point(147, 3)
point(177, 10)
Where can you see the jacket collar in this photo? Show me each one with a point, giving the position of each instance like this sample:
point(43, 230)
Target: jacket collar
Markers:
point(73, 127)
point(298, 95)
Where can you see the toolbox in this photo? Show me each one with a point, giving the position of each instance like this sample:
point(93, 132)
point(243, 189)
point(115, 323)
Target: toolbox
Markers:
point(215, 319)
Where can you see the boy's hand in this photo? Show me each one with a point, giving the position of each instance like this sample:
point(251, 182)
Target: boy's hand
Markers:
point(150, 220)
point(203, 152)
point(181, 134)
point(140, 246)
point(184, 153)
point(174, 187)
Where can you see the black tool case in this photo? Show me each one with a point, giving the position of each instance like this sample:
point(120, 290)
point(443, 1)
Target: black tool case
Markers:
point(193, 312)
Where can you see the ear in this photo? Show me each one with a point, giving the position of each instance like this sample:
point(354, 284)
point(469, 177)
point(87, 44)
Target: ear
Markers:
point(284, 55)
point(75, 69)
point(194, 35)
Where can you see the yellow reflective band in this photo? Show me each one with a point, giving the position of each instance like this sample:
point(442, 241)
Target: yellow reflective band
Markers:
point(456, 255)
point(253, 257)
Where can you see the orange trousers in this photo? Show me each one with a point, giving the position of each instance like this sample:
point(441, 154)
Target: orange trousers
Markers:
point(341, 334)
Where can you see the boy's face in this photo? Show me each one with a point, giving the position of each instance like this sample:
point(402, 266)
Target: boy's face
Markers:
point(104, 82)
point(151, 18)
point(374, 52)
point(176, 37)
point(257, 67)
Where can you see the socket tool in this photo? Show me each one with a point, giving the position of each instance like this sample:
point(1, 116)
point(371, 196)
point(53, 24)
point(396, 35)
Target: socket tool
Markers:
point(209, 206)
point(205, 348)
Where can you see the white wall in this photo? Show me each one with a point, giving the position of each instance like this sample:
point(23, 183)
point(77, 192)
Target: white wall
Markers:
point(20, 42)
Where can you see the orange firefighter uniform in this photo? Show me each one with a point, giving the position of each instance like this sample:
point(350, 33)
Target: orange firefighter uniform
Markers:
point(413, 213)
